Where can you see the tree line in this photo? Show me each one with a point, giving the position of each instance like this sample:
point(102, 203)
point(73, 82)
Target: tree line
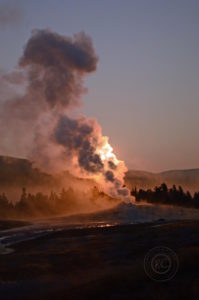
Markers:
point(39, 204)
point(164, 195)
point(42, 205)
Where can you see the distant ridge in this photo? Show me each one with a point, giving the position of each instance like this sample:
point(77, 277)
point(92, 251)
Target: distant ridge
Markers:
point(188, 179)
point(21, 171)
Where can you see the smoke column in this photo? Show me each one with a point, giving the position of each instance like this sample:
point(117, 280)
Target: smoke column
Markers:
point(48, 86)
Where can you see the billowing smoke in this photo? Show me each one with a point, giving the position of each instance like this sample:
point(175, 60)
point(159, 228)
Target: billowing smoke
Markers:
point(78, 137)
point(90, 153)
point(50, 74)
point(56, 67)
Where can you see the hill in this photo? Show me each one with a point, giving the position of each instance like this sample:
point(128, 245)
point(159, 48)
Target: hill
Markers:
point(16, 173)
point(20, 172)
point(188, 179)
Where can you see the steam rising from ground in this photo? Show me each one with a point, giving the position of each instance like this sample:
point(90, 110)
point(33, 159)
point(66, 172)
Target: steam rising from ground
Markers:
point(48, 85)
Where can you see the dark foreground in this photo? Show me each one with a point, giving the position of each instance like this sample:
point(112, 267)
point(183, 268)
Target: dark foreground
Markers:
point(101, 263)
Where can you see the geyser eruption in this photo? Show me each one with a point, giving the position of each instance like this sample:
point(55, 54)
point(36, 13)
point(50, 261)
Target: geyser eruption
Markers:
point(50, 74)
point(90, 153)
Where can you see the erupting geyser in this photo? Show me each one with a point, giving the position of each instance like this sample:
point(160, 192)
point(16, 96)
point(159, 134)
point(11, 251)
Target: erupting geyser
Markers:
point(51, 73)
point(90, 153)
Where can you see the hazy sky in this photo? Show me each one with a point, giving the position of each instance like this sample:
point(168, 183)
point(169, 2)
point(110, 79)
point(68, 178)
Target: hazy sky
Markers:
point(145, 93)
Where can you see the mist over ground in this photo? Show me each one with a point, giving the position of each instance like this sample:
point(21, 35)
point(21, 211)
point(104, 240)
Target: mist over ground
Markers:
point(27, 192)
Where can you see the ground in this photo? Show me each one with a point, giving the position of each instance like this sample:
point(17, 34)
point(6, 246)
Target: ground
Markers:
point(101, 263)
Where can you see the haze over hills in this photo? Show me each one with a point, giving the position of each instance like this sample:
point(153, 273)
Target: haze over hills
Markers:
point(17, 173)
point(21, 172)
point(188, 179)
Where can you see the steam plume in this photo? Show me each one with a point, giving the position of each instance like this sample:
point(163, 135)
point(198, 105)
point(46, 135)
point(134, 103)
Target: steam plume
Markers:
point(52, 69)
point(57, 65)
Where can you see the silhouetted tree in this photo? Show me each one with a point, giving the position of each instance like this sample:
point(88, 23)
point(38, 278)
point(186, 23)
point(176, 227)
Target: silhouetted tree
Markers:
point(161, 194)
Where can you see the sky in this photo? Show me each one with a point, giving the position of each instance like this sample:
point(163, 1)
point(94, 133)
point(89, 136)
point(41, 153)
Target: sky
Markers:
point(145, 92)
